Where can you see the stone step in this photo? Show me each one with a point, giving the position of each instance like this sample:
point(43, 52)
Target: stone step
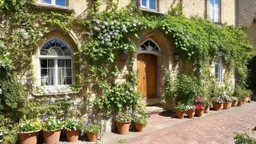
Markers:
point(154, 109)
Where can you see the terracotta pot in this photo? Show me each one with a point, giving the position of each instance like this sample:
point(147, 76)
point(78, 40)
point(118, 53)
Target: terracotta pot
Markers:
point(199, 112)
point(72, 135)
point(234, 103)
point(123, 128)
point(92, 136)
point(240, 103)
point(51, 137)
point(246, 99)
point(139, 127)
point(28, 137)
point(190, 113)
point(180, 113)
point(206, 109)
point(217, 106)
point(226, 105)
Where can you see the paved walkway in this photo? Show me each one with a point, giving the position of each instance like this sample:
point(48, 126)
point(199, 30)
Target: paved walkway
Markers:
point(217, 127)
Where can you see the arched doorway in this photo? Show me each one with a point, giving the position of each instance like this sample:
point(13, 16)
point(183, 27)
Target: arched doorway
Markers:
point(147, 69)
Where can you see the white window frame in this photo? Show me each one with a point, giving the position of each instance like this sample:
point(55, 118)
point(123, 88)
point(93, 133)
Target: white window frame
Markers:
point(148, 6)
point(56, 58)
point(53, 2)
point(219, 64)
point(212, 11)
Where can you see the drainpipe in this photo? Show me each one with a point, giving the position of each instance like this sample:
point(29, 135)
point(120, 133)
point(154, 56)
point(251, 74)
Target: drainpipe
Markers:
point(237, 12)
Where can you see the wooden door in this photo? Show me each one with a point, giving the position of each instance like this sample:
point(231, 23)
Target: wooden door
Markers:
point(147, 65)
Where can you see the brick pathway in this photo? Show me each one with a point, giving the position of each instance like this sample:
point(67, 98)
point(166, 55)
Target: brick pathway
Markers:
point(215, 128)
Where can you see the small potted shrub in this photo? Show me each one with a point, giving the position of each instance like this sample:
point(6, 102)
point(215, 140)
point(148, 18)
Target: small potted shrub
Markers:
point(28, 131)
point(190, 111)
point(207, 105)
point(92, 132)
point(72, 128)
point(140, 121)
point(226, 102)
point(217, 103)
point(199, 107)
point(123, 121)
point(180, 110)
point(234, 101)
point(51, 130)
point(240, 100)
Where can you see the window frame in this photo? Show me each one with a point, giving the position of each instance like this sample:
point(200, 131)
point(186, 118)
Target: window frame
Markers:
point(56, 58)
point(211, 12)
point(148, 5)
point(53, 2)
point(219, 64)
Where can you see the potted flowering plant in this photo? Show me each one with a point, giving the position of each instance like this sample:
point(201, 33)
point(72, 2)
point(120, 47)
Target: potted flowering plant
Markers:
point(190, 111)
point(226, 102)
point(92, 131)
point(234, 101)
point(180, 110)
point(123, 121)
point(207, 104)
point(28, 131)
point(199, 107)
point(72, 127)
point(217, 103)
point(140, 121)
point(51, 130)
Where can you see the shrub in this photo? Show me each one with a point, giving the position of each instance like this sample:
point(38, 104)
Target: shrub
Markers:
point(243, 138)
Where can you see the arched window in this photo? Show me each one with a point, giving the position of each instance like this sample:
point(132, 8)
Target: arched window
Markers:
point(149, 46)
point(56, 63)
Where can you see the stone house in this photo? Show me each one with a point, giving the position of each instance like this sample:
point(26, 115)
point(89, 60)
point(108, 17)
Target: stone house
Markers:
point(154, 49)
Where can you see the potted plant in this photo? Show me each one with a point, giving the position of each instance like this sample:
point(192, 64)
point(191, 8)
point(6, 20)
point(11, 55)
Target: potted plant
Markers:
point(226, 102)
point(207, 104)
point(51, 130)
point(180, 110)
point(72, 128)
point(123, 121)
point(234, 101)
point(240, 100)
point(92, 132)
point(28, 131)
point(217, 103)
point(190, 111)
point(199, 107)
point(140, 121)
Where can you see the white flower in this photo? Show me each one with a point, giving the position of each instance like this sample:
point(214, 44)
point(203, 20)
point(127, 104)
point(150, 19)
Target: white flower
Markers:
point(111, 23)
point(112, 27)
point(24, 34)
point(105, 23)
point(102, 42)
point(103, 27)
point(134, 24)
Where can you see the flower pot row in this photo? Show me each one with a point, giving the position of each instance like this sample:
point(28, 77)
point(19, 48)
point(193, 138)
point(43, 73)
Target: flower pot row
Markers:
point(123, 127)
point(190, 113)
point(52, 137)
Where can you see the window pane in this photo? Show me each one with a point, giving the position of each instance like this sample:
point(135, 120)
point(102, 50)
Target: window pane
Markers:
point(47, 71)
point(68, 62)
point(144, 3)
point(43, 63)
point(152, 4)
point(46, 1)
point(216, 3)
point(61, 2)
point(69, 80)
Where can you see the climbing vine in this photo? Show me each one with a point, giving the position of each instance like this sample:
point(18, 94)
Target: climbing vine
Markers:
point(101, 36)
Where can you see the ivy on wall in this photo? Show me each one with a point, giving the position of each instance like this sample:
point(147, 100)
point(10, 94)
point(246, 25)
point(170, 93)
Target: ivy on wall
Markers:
point(103, 34)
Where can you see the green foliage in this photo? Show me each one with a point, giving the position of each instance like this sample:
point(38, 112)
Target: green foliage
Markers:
point(29, 126)
point(170, 85)
point(243, 138)
point(93, 128)
point(121, 96)
point(123, 117)
point(73, 124)
point(181, 107)
point(188, 89)
point(52, 124)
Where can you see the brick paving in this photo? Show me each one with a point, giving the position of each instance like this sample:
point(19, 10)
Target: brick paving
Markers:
point(217, 127)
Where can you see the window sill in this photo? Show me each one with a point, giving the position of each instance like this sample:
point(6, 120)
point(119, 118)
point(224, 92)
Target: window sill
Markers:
point(53, 91)
point(52, 7)
point(150, 11)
